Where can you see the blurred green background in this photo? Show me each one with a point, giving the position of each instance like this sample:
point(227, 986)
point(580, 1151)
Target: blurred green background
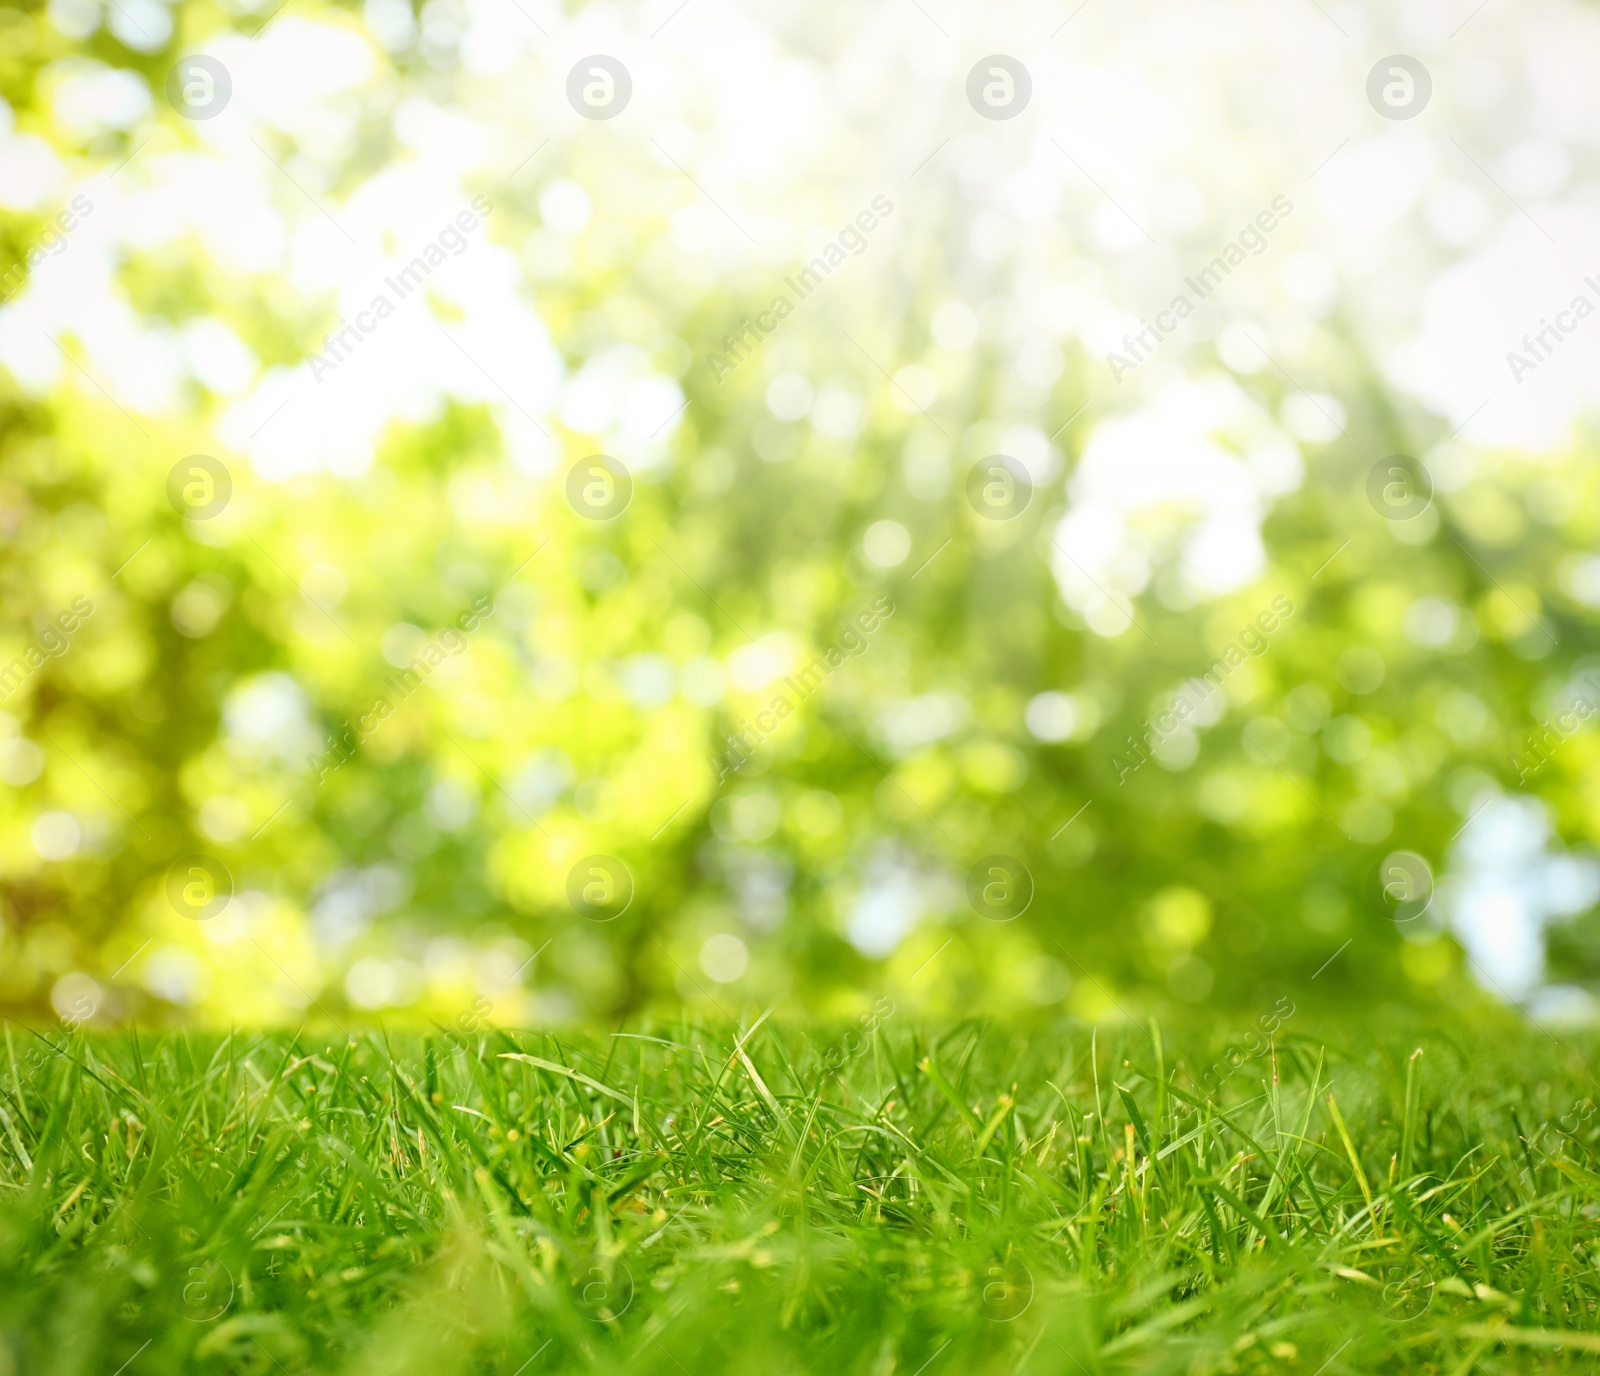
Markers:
point(180, 728)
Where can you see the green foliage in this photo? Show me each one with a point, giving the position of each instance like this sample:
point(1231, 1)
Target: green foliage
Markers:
point(131, 720)
point(1229, 876)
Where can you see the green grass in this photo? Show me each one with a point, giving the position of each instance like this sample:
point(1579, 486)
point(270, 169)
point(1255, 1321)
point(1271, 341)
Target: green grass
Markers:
point(688, 1199)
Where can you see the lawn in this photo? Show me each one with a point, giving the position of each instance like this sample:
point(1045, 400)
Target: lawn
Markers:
point(684, 1198)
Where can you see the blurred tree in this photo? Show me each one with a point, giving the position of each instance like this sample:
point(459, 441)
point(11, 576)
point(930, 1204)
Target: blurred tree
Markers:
point(444, 731)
